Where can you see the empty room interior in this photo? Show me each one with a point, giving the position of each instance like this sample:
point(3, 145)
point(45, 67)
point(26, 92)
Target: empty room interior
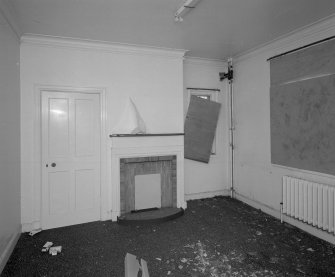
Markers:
point(167, 138)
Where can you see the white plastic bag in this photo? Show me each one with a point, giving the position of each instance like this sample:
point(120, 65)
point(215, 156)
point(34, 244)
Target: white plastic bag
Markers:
point(131, 121)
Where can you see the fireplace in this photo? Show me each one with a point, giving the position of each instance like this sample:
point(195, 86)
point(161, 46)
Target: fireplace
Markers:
point(147, 172)
point(148, 182)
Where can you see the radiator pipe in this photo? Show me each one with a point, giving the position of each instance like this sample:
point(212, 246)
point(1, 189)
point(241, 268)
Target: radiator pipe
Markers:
point(281, 212)
point(231, 127)
point(230, 76)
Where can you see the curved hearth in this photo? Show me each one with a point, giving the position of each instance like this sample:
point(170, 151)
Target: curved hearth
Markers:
point(151, 216)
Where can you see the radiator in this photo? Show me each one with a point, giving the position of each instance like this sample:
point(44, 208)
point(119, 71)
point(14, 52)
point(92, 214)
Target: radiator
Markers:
point(309, 202)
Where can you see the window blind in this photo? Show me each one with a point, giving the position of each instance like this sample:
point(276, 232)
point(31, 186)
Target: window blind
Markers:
point(302, 108)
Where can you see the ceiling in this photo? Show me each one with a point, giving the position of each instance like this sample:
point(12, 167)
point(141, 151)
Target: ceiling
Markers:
point(215, 29)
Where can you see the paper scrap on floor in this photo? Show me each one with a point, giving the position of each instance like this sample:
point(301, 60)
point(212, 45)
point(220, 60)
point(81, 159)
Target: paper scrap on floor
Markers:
point(55, 250)
point(46, 246)
point(133, 266)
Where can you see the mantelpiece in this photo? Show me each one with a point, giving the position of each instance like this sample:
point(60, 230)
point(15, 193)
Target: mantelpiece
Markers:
point(128, 146)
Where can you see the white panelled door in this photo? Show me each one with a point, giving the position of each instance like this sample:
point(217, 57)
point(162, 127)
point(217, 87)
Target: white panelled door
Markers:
point(70, 158)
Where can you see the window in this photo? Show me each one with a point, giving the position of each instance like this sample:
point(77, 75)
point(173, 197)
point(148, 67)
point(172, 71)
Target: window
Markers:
point(211, 95)
point(302, 102)
point(205, 97)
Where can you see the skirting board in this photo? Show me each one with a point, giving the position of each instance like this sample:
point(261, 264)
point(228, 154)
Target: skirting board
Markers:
point(27, 227)
point(276, 213)
point(208, 194)
point(9, 249)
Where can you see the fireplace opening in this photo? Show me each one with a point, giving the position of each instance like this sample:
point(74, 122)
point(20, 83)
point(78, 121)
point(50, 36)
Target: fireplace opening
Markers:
point(147, 191)
point(148, 182)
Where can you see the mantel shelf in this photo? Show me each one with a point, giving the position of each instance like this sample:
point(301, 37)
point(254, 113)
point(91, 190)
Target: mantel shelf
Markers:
point(145, 135)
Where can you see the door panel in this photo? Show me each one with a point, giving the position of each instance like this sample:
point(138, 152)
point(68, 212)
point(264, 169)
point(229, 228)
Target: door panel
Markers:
point(84, 123)
point(71, 158)
point(59, 194)
point(84, 189)
point(58, 127)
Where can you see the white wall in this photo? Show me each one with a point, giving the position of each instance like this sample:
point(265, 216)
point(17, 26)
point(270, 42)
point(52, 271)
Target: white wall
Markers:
point(153, 78)
point(257, 181)
point(207, 180)
point(10, 226)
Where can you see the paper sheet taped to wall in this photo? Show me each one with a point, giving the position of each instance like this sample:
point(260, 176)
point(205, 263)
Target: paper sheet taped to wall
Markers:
point(131, 121)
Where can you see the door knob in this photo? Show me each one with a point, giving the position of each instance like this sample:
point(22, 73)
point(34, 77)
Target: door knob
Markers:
point(53, 164)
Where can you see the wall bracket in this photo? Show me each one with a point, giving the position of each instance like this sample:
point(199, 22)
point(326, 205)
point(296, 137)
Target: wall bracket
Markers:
point(229, 75)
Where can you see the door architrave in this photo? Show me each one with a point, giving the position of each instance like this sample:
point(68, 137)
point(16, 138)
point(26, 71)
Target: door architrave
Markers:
point(36, 192)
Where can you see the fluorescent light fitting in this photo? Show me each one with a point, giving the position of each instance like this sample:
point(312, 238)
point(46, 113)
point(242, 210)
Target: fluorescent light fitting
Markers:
point(184, 9)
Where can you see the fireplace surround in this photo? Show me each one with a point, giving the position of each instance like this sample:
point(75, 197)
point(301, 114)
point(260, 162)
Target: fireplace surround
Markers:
point(146, 154)
point(165, 166)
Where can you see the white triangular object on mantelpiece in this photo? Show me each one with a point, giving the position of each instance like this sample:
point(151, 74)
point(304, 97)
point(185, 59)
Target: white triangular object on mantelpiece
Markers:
point(131, 121)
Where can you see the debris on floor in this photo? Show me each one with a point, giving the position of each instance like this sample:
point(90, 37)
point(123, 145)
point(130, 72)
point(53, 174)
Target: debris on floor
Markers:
point(47, 246)
point(222, 237)
point(34, 232)
point(133, 266)
point(55, 250)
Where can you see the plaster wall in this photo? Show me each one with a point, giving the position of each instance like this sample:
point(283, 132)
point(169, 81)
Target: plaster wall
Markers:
point(257, 181)
point(10, 226)
point(153, 78)
point(201, 179)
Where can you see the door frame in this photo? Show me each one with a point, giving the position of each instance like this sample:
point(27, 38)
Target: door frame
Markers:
point(36, 193)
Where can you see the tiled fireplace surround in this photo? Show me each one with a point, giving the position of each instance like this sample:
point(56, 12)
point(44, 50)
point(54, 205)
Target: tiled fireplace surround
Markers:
point(166, 166)
point(132, 155)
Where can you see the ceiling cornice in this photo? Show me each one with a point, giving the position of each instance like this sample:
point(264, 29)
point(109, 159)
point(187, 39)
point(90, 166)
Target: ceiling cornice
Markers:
point(8, 13)
point(92, 45)
point(297, 38)
point(206, 62)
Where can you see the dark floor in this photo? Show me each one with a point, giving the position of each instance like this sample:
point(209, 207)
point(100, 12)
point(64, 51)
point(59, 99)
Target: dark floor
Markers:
point(215, 237)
